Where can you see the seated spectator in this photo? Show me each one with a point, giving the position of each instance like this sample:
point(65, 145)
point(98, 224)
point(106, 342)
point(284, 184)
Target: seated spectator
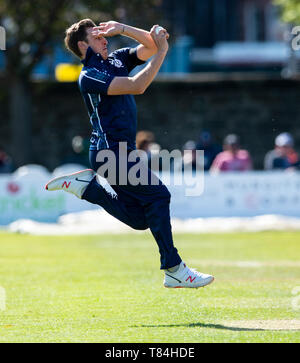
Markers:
point(283, 156)
point(210, 149)
point(5, 162)
point(79, 153)
point(189, 158)
point(233, 158)
point(145, 141)
point(189, 161)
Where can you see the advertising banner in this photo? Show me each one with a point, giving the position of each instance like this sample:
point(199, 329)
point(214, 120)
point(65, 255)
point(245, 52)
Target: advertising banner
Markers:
point(224, 195)
point(240, 195)
point(26, 198)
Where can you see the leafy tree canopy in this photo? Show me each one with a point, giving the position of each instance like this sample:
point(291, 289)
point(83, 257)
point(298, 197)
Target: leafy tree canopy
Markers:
point(290, 10)
point(31, 25)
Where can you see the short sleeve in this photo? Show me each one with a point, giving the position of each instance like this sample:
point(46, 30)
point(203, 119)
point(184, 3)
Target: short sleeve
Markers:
point(93, 80)
point(129, 57)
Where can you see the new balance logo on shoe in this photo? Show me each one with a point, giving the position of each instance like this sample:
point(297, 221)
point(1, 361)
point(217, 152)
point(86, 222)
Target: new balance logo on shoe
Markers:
point(66, 185)
point(190, 278)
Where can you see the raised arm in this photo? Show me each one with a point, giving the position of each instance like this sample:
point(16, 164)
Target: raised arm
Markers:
point(140, 82)
point(147, 47)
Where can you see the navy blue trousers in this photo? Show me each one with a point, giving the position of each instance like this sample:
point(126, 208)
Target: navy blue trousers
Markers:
point(139, 206)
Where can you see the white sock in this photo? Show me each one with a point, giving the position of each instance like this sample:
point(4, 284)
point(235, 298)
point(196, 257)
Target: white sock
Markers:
point(173, 269)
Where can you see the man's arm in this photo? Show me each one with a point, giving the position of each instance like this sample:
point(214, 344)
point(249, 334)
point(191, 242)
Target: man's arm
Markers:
point(140, 82)
point(137, 84)
point(147, 47)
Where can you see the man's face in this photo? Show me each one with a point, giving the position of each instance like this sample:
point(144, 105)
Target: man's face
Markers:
point(283, 150)
point(99, 44)
point(231, 147)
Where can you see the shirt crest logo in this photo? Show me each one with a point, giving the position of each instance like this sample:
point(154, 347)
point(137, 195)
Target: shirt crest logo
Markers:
point(116, 62)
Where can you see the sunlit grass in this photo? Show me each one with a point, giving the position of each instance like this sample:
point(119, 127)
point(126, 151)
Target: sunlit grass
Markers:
point(109, 288)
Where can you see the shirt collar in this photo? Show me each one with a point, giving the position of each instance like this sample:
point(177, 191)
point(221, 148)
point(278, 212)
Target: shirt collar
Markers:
point(90, 54)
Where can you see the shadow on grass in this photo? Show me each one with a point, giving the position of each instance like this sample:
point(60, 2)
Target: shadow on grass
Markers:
point(200, 325)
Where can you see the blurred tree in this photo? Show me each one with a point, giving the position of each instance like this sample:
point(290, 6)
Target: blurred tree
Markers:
point(290, 10)
point(32, 28)
point(290, 14)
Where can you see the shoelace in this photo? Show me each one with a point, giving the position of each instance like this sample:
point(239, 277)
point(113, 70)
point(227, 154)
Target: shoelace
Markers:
point(195, 272)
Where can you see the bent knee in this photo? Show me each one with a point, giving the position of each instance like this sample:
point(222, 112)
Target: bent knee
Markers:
point(165, 194)
point(142, 226)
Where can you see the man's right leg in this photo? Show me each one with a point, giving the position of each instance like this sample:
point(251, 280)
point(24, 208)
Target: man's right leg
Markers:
point(84, 185)
point(130, 213)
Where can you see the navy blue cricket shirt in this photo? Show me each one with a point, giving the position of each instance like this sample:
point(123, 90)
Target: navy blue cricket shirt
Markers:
point(113, 118)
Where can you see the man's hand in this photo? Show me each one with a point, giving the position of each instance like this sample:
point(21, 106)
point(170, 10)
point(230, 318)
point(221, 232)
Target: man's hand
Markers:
point(108, 29)
point(160, 39)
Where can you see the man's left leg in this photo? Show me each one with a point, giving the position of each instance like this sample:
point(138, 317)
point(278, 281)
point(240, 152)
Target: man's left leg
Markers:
point(155, 201)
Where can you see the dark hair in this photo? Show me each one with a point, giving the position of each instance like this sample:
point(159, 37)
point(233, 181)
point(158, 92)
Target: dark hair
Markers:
point(76, 33)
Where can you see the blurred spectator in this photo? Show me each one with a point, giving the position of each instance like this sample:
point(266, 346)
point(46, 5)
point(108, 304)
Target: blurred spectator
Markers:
point(233, 158)
point(79, 155)
point(5, 162)
point(210, 149)
point(145, 141)
point(189, 158)
point(283, 156)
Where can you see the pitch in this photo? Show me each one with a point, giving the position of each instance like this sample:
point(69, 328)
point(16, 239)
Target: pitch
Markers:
point(108, 288)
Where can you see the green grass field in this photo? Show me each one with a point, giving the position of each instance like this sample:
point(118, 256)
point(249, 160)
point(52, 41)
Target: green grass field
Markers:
point(109, 288)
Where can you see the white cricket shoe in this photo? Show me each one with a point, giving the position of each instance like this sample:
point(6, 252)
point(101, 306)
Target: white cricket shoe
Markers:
point(73, 183)
point(186, 277)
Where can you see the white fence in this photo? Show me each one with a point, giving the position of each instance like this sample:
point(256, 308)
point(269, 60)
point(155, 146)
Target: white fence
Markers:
point(23, 195)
